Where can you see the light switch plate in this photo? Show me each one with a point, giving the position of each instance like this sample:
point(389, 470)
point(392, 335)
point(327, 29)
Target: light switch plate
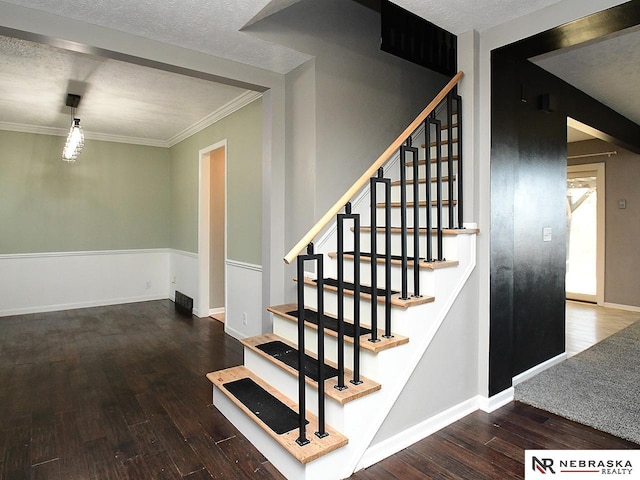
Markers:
point(546, 234)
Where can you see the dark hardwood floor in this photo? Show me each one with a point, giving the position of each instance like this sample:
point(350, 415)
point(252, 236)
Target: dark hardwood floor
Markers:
point(120, 392)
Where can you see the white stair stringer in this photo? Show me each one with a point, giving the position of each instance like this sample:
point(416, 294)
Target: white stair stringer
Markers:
point(393, 377)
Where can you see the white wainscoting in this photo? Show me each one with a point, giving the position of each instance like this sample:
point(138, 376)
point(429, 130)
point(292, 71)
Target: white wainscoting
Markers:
point(243, 316)
point(183, 276)
point(43, 282)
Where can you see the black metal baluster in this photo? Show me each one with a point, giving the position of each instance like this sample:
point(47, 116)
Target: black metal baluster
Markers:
point(439, 189)
point(404, 294)
point(387, 257)
point(373, 182)
point(450, 158)
point(302, 438)
point(458, 100)
point(321, 433)
point(356, 305)
point(341, 218)
point(416, 218)
point(429, 122)
point(318, 258)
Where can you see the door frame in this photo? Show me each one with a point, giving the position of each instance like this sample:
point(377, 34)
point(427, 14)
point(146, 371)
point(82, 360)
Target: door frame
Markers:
point(204, 224)
point(599, 169)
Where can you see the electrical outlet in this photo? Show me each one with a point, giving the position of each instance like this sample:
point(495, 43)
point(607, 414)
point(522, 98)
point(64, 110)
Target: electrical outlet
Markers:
point(244, 318)
point(148, 285)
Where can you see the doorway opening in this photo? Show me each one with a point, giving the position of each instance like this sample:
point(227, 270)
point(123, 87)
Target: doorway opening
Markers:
point(212, 230)
point(585, 233)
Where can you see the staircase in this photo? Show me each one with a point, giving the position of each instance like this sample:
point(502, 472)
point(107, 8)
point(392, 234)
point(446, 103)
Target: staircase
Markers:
point(364, 326)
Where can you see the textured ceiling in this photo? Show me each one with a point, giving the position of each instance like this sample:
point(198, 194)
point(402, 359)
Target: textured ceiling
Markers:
point(209, 26)
point(608, 69)
point(118, 98)
point(116, 94)
point(460, 16)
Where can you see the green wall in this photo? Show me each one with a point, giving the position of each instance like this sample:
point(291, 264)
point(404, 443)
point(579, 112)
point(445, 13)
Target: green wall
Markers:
point(122, 196)
point(115, 197)
point(243, 132)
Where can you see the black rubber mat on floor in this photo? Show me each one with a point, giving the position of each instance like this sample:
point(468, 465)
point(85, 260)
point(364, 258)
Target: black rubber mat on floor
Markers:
point(350, 286)
point(393, 257)
point(330, 323)
point(289, 356)
point(275, 414)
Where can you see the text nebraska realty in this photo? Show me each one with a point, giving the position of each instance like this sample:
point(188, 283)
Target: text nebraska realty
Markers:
point(606, 467)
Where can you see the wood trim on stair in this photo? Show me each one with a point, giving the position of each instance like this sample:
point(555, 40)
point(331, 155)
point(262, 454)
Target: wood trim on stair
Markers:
point(347, 395)
point(395, 298)
point(383, 343)
point(422, 203)
point(423, 265)
point(422, 181)
point(423, 230)
point(443, 159)
point(316, 447)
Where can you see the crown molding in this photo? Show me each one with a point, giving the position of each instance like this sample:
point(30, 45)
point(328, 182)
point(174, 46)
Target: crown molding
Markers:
point(234, 105)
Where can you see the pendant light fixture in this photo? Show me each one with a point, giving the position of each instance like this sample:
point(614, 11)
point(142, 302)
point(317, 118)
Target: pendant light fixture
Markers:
point(75, 139)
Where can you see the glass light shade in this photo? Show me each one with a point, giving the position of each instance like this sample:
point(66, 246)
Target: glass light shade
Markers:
point(75, 142)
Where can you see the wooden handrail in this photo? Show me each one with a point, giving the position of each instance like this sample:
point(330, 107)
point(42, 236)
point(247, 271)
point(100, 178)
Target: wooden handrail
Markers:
point(362, 181)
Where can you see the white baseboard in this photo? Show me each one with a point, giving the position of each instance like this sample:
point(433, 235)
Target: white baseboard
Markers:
point(628, 308)
point(216, 311)
point(532, 372)
point(490, 404)
point(393, 445)
point(77, 305)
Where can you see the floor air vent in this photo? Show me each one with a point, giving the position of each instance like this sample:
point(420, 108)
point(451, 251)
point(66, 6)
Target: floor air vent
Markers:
point(184, 304)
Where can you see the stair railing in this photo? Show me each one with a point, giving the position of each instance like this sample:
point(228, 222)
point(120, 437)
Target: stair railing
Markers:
point(370, 172)
point(375, 176)
point(318, 259)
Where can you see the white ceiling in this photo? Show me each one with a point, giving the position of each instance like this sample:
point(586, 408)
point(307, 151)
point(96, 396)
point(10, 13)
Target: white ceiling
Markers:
point(116, 94)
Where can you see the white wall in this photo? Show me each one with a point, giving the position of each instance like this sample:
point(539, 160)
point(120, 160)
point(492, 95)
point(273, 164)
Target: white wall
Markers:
point(244, 300)
point(42, 282)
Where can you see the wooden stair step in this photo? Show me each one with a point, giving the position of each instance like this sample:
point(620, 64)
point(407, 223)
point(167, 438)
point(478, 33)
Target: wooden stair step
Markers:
point(349, 394)
point(421, 203)
point(423, 230)
point(395, 297)
point(453, 125)
point(435, 144)
point(395, 261)
point(316, 447)
point(422, 181)
point(284, 311)
point(433, 160)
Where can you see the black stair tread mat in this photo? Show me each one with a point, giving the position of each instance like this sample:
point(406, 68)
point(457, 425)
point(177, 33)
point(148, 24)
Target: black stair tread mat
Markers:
point(350, 286)
point(393, 257)
point(275, 414)
point(330, 323)
point(289, 356)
